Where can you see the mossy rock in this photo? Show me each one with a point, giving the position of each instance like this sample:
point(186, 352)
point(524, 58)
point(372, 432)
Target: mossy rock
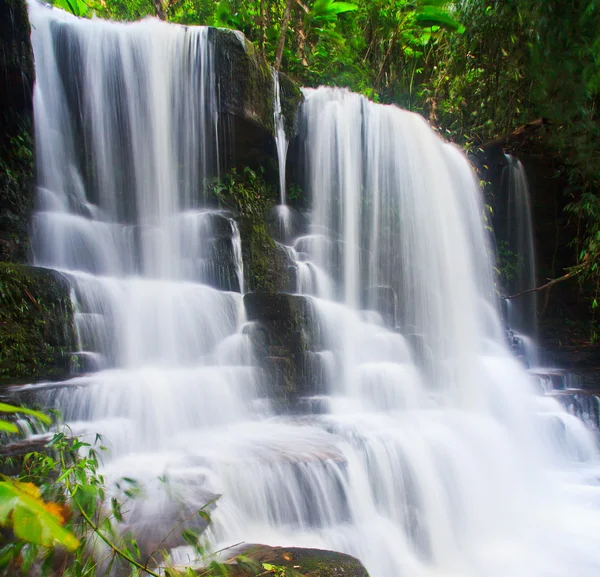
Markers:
point(246, 83)
point(283, 353)
point(297, 561)
point(36, 324)
point(16, 55)
point(266, 265)
point(246, 96)
point(288, 318)
point(16, 133)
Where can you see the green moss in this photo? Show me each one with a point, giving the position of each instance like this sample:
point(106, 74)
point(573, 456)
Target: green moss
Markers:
point(249, 196)
point(16, 134)
point(36, 328)
point(291, 97)
point(16, 186)
point(265, 265)
point(297, 561)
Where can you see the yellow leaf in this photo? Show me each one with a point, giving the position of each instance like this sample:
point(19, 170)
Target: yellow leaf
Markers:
point(61, 512)
point(29, 489)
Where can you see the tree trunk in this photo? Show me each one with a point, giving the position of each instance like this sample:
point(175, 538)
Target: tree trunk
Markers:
point(283, 34)
point(159, 9)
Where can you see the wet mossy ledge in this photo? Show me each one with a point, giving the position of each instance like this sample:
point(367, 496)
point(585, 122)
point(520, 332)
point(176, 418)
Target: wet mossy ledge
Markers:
point(36, 324)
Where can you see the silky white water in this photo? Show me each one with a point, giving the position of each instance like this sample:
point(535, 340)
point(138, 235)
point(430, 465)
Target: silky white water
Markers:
point(430, 454)
point(516, 234)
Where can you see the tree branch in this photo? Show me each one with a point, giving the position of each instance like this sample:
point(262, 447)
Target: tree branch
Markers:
point(518, 134)
point(569, 275)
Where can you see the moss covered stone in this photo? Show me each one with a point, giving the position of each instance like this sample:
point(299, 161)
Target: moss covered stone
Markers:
point(307, 562)
point(36, 324)
point(289, 354)
point(266, 266)
point(16, 140)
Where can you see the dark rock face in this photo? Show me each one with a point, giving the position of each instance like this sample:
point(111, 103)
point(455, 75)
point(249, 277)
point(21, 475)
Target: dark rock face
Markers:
point(286, 340)
point(307, 562)
point(36, 325)
point(246, 95)
point(220, 265)
point(16, 132)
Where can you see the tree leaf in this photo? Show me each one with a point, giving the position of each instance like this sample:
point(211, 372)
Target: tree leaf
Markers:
point(4, 408)
point(8, 427)
point(428, 16)
point(30, 519)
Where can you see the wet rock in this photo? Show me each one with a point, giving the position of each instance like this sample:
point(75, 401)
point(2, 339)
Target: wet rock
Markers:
point(284, 223)
point(288, 349)
point(246, 93)
point(16, 132)
point(288, 318)
point(585, 405)
point(307, 562)
point(36, 324)
point(549, 379)
point(266, 264)
point(222, 271)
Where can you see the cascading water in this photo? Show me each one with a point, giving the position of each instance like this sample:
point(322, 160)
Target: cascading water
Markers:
point(432, 456)
point(281, 140)
point(517, 234)
point(282, 211)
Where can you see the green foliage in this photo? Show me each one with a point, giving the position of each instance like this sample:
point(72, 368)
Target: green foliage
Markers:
point(32, 520)
point(35, 323)
point(246, 193)
point(11, 409)
point(509, 263)
point(64, 522)
point(76, 7)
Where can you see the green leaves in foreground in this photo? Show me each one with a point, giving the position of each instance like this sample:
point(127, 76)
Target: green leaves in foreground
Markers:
point(11, 427)
point(21, 504)
point(33, 520)
point(75, 7)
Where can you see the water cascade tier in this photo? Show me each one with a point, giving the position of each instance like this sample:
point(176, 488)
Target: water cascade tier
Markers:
point(427, 451)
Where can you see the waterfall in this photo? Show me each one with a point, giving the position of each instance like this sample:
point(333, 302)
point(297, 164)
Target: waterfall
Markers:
point(430, 454)
point(517, 236)
point(281, 141)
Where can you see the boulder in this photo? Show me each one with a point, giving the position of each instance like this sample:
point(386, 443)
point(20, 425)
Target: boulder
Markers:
point(307, 562)
point(36, 324)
